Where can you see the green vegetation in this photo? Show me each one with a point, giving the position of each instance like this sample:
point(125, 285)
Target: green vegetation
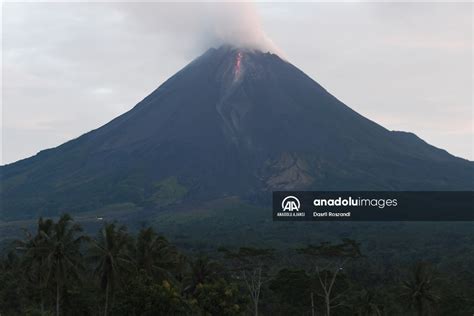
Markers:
point(167, 192)
point(59, 270)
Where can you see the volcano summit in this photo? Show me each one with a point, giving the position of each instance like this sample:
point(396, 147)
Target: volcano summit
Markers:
point(233, 122)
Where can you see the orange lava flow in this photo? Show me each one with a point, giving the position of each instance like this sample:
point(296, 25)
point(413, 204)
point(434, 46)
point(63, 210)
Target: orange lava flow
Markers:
point(238, 62)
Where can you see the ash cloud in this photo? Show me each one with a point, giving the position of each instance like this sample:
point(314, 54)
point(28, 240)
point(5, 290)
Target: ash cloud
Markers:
point(238, 24)
point(199, 26)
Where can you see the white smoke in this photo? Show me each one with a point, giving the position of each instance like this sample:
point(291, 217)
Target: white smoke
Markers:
point(237, 24)
point(198, 26)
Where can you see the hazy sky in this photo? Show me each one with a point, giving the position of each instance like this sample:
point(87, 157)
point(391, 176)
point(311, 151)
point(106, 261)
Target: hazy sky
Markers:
point(69, 68)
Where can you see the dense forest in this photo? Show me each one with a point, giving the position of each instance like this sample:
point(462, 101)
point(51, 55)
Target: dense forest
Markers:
point(60, 270)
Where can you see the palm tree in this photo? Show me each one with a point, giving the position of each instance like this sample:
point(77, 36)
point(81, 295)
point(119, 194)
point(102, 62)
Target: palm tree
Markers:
point(57, 248)
point(419, 290)
point(35, 253)
point(155, 255)
point(202, 270)
point(366, 305)
point(11, 289)
point(64, 257)
point(110, 252)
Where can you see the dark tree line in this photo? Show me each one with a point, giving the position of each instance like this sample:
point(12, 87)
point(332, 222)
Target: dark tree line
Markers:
point(59, 270)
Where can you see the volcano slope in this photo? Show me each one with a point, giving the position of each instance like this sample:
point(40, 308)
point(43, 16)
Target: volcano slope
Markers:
point(234, 122)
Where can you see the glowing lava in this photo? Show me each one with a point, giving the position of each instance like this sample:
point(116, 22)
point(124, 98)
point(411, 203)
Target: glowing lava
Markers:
point(237, 66)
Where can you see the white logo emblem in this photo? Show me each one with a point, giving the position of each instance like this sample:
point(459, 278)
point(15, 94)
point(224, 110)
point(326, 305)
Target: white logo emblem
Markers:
point(290, 204)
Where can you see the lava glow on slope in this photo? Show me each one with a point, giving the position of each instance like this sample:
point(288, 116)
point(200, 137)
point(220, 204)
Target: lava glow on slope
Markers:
point(237, 66)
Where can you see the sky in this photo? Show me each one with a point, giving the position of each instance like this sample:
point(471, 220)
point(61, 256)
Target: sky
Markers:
point(68, 68)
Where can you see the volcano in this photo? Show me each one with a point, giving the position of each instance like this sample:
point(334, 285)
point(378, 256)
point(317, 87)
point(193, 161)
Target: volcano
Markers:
point(233, 122)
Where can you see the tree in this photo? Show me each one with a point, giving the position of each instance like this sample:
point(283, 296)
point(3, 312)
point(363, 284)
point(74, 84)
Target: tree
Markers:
point(252, 266)
point(366, 304)
point(203, 270)
point(218, 298)
point(292, 290)
point(34, 250)
point(55, 250)
point(63, 253)
point(418, 291)
point(110, 251)
point(328, 260)
point(144, 296)
point(10, 284)
point(154, 254)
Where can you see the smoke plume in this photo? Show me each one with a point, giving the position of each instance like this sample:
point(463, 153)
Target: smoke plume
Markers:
point(199, 26)
point(237, 24)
